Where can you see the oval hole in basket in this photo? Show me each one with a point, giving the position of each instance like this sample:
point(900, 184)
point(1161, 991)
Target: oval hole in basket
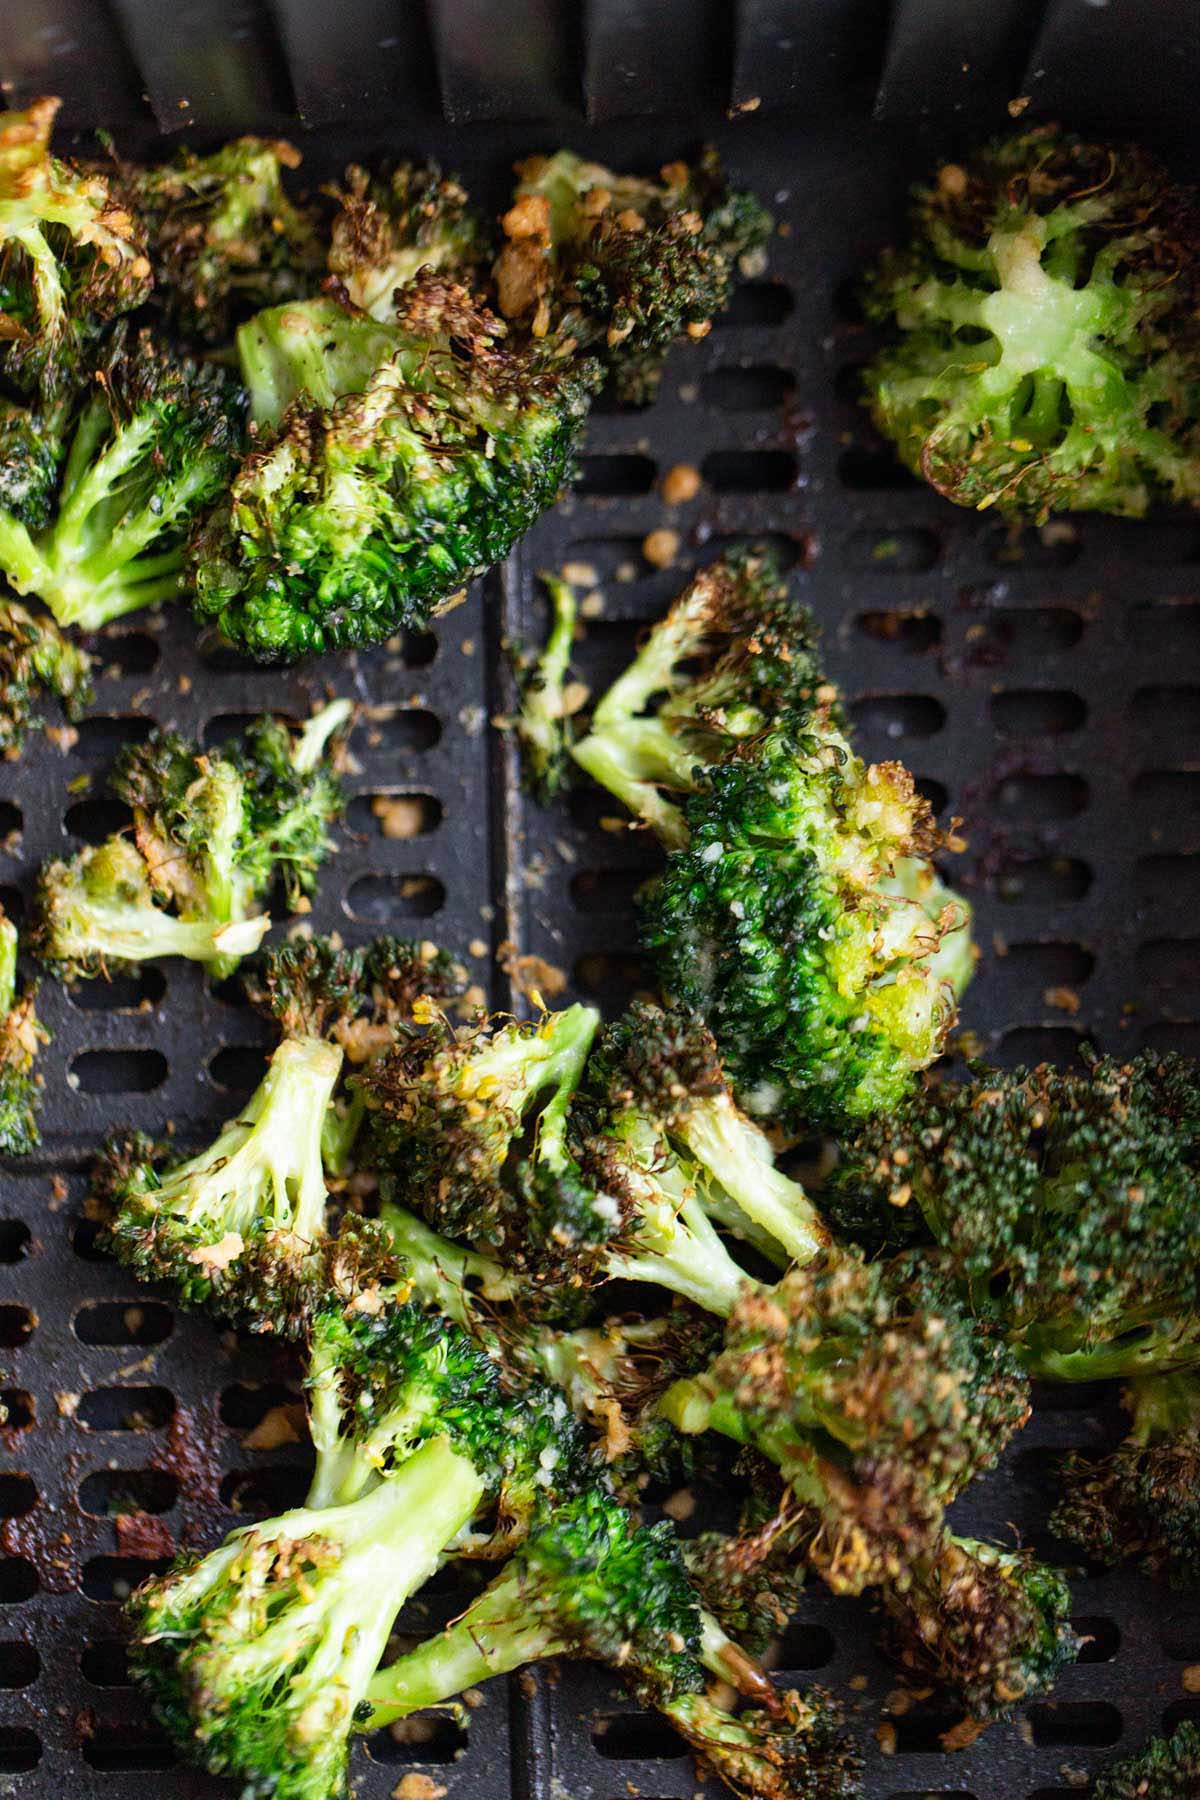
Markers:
point(245, 1404)
point(18, 1496)
point(905, 552)
point(15, 1239)
point(1054, 546)
point(140, 991)
point(97, 817)
point(101, 738)
point(379, 899)
point(1171, 879)
point(1167, 803)
point(18, 1580)
point(126, 1408)
point(1041, 799)
point(1064, 1722)
point(16, 1325)
point(636, 1737)
point(397, 816)
point(912, 632)
point(238, 1068)
point(1104, 1637)
point(805, 1646)
point(1037, 712)
point(755, 388)
point(1028, 1045)
point(111, 1579)
point(750, 471)
point(1169, 963)
point(1041, 880)
point(423, 1738)
point(20, 1664)
point(756, 303)
point(113, 1322)
point(1180, 1035)
point(128, 652)
point(606, 890)
point(1030, 631)
point(400, 731)
point(106, 1664)
point(898, 715)
point(118, 1071)
point(113, 1747)
point(107, 1492)
point(17, 1408)
point(262, 1493)
point(11, 819)
point(603, 477)
point(20, 1749)
point(873, 471)
point(1171, 713)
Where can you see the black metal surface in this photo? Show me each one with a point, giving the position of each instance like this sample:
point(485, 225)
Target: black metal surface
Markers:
point(1044, 688)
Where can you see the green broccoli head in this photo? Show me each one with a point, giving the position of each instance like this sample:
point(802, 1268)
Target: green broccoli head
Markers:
point(1045, 355)
point(33, 443)
point(1065, 1203)
point(225, 239)
point(626, 264)
point(258, 1658)
point(149, 446)
point(875, 1395)
point(393, 464)
point(393, 224)
point(310, 986)
point(21, 1037)
point(36, 659)
point(1167, 1769)
point(1141, 1503)
point(72, 256)
point(799, 913)
point(751, 1579)
point(211, 832)
point(987, 1629)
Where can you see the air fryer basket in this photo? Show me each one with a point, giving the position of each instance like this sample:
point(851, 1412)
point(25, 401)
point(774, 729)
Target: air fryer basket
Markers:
point(1044, 686)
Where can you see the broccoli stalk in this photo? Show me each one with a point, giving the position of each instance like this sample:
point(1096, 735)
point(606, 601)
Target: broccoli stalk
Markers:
point(799, 914)
point(1042, 356)
point(258, 1658)
point(541, 722)
point(1167, 1769)
point(146, 453)
point(1063, 1202)
point(587, 1582)
point(21, 1037)
point(392, 225)
point(35, 657)
point(71, 256)
point(1142, 1502)
point(212, 831)
point(392, 464)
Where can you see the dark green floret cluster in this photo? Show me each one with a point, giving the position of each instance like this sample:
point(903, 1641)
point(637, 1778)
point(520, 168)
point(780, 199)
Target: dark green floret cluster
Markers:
point(21, 1038)
point(36, 661)
point(799, 912)
point(1043, 352)
point(1167, 1769)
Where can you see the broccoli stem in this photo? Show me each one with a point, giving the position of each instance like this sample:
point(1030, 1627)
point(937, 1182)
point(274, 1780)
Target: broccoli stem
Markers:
point(310, 745)
point(1163, 1406)
point(630, 758)
point(1145, 1347)
point(264, 1170)
point(109, 931)
point(442, 1272)
point(737, 1153)
point(678, 1248)
point(24, 566)
point(8, 965)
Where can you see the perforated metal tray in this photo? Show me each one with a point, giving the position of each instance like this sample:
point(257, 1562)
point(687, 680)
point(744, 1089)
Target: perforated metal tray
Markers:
point(1044, 688)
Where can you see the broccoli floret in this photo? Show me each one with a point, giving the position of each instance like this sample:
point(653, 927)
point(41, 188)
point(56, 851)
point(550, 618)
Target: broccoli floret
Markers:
point(588, 1582)
point(1167, 1769)
point(799, 914)
point(72, 257)
point(1065, 1203)
point(395, 223)
point(36, 659)
point(1142, 1502)
point(987, 1629)
point(392, 464)
point(258, 1658)
point(542, 724)
point(1044, 353)
point(875, 1395)
point(448, 1108)
point(21, 1037)
point(225, 239)
point(212, 831)
point(751, 1580)
point(625, 264)
point(664, 1065)
point(149, 446)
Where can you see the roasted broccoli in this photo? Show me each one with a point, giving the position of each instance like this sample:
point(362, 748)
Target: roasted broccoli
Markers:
point(624, 264)
point(392, 224)
point(799, 914)
point(1167, 1769)
point(588, 1582)
point(752, 1579)
point(542, 723)
point(1045, 355)
point(36, 659)
point(225, 240)
point(211, 832)
point(1065, 1203)
point(1142, 1502)
point(72, 257)
point(392, 463)
point(151, 443)
point(21, 1037)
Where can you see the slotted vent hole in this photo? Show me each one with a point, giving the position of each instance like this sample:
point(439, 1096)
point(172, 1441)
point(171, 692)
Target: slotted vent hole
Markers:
point(396, 731)
point(15, 1239)
point(1037, 712)
point(128, 652)
point(397, 815)
point(128, 1071)
point(16, 1325)
point(20, 1664)
point(18, 1580)
point(750, 471)
point(1171, 713)
point(20, 1749)
point(106, 1664)
point(120, 1322)
point(12, 820)
point(902, 552)
point(1027, 1045)
point(261, 1493)
point(238, 1068)
point(18, 1496)
point(1167, 803)
point(380, 900)
point(111, 1579)
point(423, 1738)
point(1083, 1722)
point(1041, 881)
point(141, 991)
point(749, 388)
point(113, 1747)
point(596, 891)
point(126, 1408)
point(17, 1411)
point(97, 817)
point(636, 1737)
point(102, 737)
point(612, 477)
point(245, 1405)
point(111, 1492)
point(1169, 881)
point(1041, 799)
point(896, 716)
point(1104, 1639)
point(1173, 629)
point(913, 632)
point(755, 304)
